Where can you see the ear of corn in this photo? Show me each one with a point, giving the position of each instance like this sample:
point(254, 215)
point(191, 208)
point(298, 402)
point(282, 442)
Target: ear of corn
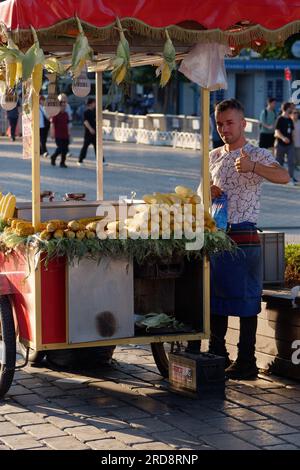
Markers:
point(37, 78)
point(81, 52)
point(121, 63)
point(80, 234)
point(32, 57)
point(58, 234)
point(70, 234)
point(12, 57)
point(169, 62)
point(90, 234)
point(45, 235)
point(24, 229)
point(9, 206)
point(53, 225)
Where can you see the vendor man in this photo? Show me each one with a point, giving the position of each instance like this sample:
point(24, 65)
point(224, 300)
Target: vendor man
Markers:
point(237, 170)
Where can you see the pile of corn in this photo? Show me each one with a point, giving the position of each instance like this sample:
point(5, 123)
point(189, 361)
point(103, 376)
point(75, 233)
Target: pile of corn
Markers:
point(7, 206)
point(156, 219)
point(55, 229)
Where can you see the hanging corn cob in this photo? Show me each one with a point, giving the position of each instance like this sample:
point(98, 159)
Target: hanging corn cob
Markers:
point(13, 58)
point(169, 62)
point(121, 63)
point(81, 52)
point(33, 64)
point(8, 206)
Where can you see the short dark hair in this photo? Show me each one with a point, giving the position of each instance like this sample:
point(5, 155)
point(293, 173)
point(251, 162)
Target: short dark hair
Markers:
point(90, 101)
point(232, 103)
point(271, 100)
point(285, 106)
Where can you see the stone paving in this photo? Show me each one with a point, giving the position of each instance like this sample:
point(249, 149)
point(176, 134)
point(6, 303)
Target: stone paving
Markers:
point(127, 405)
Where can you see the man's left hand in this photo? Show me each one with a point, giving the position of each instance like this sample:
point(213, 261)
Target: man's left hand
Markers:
point(244, 164)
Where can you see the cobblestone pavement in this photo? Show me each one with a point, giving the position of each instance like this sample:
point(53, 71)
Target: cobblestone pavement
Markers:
point(128, 406)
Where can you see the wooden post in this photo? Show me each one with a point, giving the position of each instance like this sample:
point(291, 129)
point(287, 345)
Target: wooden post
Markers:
point(35, 168)
point(206, 200)
point(36, 214)
point(99, 141)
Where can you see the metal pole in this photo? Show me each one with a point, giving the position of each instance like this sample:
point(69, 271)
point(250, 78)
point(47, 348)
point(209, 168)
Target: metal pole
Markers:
point(206, 201)
point(99, 137)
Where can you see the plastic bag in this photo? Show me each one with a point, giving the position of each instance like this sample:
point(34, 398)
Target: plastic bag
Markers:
point(205, 65)
point(220, 211)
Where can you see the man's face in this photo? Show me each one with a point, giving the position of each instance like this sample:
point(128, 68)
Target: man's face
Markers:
point(272, 105)
point(230, 124)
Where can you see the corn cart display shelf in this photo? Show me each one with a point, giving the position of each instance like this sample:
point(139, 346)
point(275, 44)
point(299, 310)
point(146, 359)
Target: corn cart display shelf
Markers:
point(48, 303)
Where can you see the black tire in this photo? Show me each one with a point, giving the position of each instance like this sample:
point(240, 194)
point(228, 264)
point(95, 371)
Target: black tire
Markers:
point(160, 353)
point(34, 357)
point(8, 345)
point(80, 358)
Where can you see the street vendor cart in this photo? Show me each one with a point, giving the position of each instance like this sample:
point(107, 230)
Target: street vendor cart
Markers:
point(53, 297)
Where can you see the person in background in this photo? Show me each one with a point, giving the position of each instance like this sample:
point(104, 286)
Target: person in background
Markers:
point(60, 131)
point(44, 128)
point(296, 121)
point(13, 116)
point(284, 143)
point(69, 111)
point(267, 122)
point(237, 171)
point(89, 123)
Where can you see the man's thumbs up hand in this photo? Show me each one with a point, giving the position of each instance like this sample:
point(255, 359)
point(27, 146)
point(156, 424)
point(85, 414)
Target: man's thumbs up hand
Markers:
point(244, 164)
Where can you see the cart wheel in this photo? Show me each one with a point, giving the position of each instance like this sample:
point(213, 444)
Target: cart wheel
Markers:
point(161, 353)
point(7, 345)
point(34, 357)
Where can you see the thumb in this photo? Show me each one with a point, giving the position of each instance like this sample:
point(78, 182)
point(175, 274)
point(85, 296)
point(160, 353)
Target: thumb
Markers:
point(243, 154)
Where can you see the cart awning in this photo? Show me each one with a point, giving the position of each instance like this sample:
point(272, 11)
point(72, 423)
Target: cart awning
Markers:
point(229, 21)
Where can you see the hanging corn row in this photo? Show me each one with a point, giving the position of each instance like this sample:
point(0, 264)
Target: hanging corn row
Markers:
point(28, 67)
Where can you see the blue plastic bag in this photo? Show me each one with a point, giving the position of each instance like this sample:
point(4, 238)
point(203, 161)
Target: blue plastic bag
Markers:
point(220, 211)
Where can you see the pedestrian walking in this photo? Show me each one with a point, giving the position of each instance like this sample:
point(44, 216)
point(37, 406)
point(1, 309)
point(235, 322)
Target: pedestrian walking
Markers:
point(63, 97)
point(89, 123)
point(44, 128)
point(267, 122)
point(60, 131)
point(237, 171)
point(296, 121)
point(13, 116)
point(284, 142)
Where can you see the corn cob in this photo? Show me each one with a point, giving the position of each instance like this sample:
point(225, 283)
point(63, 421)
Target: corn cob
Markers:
point(169, 62)
point(183, 191)
point(74, 225)
point(23, 230)
point(33, 56)
point(89, 219)
point(37, 78)
point(92, 226)
point(58, 234)
point(81, 52)
point(8, 230)
point(9, 208)
point(90, 234)
point(44, 235)
point(122, 61)
point(70, 234)
point(14, 222)
point(53, 225)
point(80, 234)
point(41, 226)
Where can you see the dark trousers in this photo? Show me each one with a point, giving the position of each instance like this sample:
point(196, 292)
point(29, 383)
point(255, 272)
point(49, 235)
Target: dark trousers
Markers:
point(13, 125)
point(247, 340)
point(289, 151)
point(62, 148)
point(43, 139)
point(88, 139)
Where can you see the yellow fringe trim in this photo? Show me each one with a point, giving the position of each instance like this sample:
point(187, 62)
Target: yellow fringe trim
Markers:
point(243, 37)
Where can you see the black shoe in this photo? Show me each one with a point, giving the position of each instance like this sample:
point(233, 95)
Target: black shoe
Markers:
point(53, 161)
point(241, 370)
point(63, 165)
